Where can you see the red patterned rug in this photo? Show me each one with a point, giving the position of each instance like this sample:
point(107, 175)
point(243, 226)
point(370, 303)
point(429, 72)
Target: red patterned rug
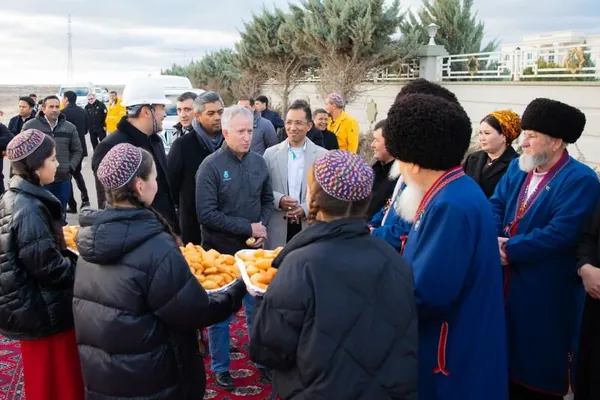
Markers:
point(11, 371)
point(245, 375)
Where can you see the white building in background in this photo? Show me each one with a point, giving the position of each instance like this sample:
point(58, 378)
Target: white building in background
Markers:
point(554, 46)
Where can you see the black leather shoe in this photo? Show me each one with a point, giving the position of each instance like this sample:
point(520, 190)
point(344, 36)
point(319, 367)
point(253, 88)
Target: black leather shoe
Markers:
point(225, 381)
point(85, 204)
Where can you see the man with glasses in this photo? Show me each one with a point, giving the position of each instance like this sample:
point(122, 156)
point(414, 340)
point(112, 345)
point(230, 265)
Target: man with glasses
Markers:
point(289, 163)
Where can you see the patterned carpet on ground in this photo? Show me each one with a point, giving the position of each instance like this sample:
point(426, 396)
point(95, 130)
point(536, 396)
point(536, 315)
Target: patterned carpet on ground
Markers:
point(245, 375)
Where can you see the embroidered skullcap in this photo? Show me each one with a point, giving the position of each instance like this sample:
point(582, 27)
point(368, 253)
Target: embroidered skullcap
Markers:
point(510, 122)
point(344, 175)
point(555, 119)
point(24, 144)
point(119, 165)
point(336, 98)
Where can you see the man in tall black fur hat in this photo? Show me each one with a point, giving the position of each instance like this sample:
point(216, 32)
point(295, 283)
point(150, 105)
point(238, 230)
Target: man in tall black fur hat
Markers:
point(452, 247)
point(540, 206)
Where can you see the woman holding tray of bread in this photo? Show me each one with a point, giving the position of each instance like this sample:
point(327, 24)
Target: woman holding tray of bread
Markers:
point(339, 320)
point(37, 273)
point(136, 304)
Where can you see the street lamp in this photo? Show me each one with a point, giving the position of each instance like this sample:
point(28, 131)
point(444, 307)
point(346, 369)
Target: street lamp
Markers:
point(432, 31)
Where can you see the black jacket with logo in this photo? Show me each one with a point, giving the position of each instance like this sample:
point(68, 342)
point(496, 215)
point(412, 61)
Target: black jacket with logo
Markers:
point(231, 194)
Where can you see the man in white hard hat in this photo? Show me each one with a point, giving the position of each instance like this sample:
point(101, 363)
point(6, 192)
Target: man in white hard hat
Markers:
point(145, 100)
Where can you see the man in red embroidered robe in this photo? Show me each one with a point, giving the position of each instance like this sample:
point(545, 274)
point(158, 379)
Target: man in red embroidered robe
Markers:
point(453, 250)
point(540, 207)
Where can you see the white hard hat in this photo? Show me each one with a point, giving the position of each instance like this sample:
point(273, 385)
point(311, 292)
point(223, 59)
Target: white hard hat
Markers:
point(144, 90)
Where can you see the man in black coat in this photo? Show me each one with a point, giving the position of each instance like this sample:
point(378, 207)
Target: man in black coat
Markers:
point(97, 112)
point(145, 101)
point(383, 186)
point(78, 117)
point(26, 112)
point(187, 153)
point(320, 119)
point(5, 137)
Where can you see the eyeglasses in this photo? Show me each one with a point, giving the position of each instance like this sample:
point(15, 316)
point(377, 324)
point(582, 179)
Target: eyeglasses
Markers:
point(295, 123)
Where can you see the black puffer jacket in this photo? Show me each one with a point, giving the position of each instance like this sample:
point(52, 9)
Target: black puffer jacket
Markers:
point(137, 307)
point(339, 319)
point(36, 270)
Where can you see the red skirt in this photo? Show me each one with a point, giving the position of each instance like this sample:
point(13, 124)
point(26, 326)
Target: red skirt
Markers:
point(51, 368)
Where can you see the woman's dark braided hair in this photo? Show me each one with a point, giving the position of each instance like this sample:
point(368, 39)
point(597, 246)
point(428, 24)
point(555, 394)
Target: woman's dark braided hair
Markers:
point(128, 194)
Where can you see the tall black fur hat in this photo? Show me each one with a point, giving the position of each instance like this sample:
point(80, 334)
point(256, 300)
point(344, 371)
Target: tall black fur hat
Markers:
point(554, 118)
point(427, 130)
point(423, 86)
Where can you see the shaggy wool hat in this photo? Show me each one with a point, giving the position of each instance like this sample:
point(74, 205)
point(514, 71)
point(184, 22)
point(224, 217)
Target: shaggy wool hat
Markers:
point(119, 166)
point(336, 98)
point(344, 175)
point(428, 131)
point(24, 144)
point(555, 119)
point(423, 86)
point(510, 122)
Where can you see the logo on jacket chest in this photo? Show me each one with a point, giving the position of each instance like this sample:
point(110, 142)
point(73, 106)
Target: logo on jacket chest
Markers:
point(226, 176)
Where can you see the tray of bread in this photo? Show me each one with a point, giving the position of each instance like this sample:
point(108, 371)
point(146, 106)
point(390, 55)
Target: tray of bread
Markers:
point(70, 232)
point(216, 272)
point(255, 267)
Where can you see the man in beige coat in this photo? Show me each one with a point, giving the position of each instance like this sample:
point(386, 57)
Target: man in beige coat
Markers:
point(289, 163)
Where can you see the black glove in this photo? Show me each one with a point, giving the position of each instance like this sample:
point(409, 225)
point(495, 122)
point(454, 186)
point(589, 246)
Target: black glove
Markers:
point(237, 292)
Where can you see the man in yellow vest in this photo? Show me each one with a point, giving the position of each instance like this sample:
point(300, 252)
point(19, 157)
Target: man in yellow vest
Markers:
point(343, 125)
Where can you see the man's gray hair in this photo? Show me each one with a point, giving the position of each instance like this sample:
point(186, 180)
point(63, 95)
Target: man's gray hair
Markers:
point(230, 112)
point(206, 98)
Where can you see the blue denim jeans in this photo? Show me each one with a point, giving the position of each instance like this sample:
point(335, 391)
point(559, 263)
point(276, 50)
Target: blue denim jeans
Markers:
point(218, 339)
point(61, 190)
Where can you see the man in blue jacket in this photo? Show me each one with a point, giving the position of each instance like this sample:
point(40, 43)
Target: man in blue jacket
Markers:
point(262, 106)
point(540, 207)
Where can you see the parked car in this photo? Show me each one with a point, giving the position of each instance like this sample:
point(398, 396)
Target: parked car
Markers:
point(80, 89)
point(101, 94)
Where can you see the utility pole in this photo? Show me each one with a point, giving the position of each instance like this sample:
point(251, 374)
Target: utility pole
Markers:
point(70, 52)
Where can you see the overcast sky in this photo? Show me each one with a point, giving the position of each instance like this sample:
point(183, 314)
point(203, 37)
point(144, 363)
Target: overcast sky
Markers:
point(114, 40)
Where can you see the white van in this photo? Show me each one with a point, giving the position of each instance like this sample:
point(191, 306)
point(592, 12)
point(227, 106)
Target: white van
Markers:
point(175, 86)
point(80, 89)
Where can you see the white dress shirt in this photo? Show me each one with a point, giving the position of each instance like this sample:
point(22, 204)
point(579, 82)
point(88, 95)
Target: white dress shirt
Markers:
point(295, 169)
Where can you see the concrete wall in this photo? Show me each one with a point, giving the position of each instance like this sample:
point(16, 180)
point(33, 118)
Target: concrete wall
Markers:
point(479, 99)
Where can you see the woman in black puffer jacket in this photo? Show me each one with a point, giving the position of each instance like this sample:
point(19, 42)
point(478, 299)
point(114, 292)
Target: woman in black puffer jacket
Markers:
point(37, 272)
point(339, 319)
point(137, 306)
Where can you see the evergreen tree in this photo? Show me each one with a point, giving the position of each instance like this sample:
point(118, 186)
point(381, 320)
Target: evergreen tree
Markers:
point(459, 31)
point(350, 38)
point(263, 49)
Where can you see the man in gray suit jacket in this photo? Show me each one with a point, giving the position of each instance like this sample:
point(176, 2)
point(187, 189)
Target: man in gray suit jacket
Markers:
point(289, 163)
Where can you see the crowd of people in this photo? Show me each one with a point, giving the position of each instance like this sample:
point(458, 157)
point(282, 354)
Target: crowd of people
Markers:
point(428, 274)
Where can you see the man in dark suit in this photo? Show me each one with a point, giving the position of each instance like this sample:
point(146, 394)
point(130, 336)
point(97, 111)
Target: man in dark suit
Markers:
point(321, 119)
point(78, 117)
point(26, 112)
point(262, 106)
point(187, 153)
